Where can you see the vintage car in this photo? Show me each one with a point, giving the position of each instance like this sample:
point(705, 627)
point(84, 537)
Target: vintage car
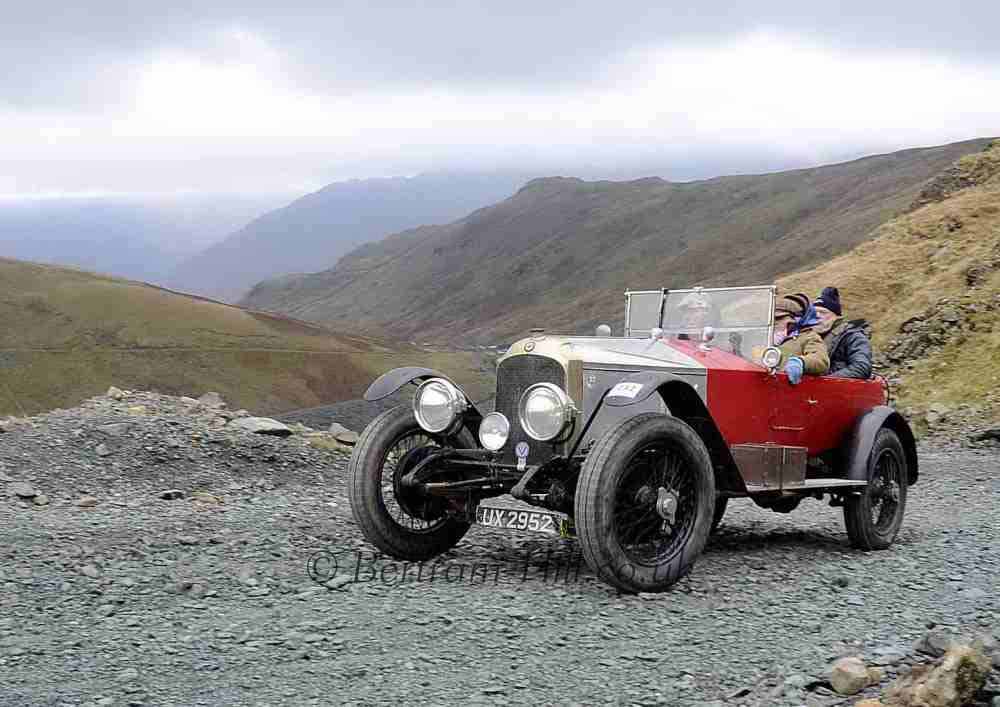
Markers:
point(634, 444)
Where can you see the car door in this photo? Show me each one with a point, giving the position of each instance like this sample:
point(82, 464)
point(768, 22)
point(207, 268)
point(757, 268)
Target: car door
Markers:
point(794, 409)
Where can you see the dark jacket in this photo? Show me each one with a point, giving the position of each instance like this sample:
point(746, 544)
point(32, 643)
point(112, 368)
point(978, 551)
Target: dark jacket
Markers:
point(850, 350)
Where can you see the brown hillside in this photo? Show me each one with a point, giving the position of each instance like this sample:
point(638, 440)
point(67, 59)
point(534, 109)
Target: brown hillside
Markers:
point(560, 252)
point(66, 335)
point(929, 283)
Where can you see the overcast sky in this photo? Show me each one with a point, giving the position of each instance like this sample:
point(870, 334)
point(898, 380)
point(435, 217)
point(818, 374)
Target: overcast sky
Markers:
point(250, 96)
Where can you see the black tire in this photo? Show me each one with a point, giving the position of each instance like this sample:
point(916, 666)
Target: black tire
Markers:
point(401, 532)
point(720, 511)
point(640, 456)
point(873, 518)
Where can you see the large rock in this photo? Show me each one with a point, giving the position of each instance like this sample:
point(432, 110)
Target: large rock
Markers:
point(342, 434)
point(114, 429)
point(115, 393)
point(325, 441)
point(212, 400)
point(205, 497)
point(990, 647)
point(850, 675)
point(21, 489)
point(261, 426)
point(982, 436)
point(336, 428)
point(952, 683)
point(935, 642)
point(347, 437)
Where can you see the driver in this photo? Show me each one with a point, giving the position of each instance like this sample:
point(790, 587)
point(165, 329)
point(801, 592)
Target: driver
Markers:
point(802, 349)
point(694, 309)
point(696, 313)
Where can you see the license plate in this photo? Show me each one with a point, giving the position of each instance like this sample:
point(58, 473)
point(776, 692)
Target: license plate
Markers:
point(514, 519)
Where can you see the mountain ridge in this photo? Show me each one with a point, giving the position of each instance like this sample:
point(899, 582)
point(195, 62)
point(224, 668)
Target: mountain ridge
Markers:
point(561, 250)
point(317, 228)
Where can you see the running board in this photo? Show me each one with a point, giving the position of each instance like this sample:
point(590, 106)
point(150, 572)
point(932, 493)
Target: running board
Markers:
point(810, 484)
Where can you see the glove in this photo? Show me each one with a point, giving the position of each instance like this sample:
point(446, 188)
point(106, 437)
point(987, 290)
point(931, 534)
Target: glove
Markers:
point(794, 370)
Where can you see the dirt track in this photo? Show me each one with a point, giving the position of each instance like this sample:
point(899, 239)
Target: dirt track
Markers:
point(145, 601)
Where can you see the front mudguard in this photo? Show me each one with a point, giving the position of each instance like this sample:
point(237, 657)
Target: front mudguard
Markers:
point(391, 381)
point(684, 402)
point(859, 447)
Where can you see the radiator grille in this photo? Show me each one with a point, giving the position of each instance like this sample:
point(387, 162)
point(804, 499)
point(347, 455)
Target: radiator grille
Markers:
point(514, 376)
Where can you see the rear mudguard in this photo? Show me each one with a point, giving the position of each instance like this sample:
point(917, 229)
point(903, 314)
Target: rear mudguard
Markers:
point(859, 446)
point(388, 383)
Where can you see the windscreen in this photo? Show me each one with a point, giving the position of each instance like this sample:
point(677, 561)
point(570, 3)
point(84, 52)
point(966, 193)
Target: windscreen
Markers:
point(741, 317)
point(642, 312)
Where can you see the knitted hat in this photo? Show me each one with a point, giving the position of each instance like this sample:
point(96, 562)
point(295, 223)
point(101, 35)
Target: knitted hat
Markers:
point(795, 304)
point(830, 298)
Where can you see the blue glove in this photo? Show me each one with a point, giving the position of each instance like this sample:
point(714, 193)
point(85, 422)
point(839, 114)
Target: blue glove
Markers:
point(794, 369)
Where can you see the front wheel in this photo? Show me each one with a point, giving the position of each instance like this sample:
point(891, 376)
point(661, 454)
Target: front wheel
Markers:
point(645, 502)
point(397, 520)
point(874, 517)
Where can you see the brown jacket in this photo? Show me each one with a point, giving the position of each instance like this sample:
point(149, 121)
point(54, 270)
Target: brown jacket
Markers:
point(809, 346)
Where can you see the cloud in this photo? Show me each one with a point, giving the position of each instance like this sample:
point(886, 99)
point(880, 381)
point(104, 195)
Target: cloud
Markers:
point(246, 96)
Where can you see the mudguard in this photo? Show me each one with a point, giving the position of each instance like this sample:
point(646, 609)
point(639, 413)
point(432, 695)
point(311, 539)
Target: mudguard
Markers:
point(684, 403)
point(391, 381)
point(862, 439)
point(636, 387)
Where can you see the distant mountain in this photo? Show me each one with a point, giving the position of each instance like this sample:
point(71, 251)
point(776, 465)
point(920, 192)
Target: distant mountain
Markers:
point(560, 252)
point(315, 231)
point(66, 335)
point(135, 237)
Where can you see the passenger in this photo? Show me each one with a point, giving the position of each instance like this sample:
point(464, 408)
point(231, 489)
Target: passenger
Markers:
point(802, 349)
point(846, 343)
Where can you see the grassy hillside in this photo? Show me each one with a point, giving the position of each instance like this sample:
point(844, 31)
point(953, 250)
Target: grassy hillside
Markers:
point(560, 252)
point(67, 334)
point(929, 283)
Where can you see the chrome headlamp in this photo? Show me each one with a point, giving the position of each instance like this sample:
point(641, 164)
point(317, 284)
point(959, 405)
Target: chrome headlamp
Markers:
point(494, 430)
point(771, 357)
point(437, 404)
point(545, 411)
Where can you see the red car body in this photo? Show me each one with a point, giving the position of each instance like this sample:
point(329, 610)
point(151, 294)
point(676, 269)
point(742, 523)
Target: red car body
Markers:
point(751, 406)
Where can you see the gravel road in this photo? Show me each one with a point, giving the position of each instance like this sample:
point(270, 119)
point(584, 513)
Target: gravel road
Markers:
point(208, 599)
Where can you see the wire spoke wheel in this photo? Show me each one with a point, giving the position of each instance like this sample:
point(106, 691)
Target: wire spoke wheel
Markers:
point(400, 521)
point(642, 531)
point(873, 518)
point(408, 508)
point(885, 490)
point(644, 503)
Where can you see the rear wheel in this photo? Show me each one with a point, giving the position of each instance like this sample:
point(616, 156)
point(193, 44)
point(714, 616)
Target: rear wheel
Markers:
point(644, 503)
point(874, 517)
point(399, 521)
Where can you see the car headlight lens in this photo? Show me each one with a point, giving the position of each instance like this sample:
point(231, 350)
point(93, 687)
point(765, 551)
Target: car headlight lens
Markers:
point(436, 404)
point(771, 357)
point(494, 431)
point(545, 410)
